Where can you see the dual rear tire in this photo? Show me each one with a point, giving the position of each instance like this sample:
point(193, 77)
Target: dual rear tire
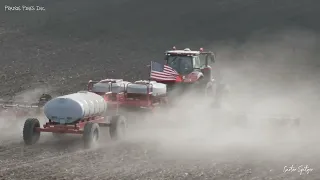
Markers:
point(211, 93)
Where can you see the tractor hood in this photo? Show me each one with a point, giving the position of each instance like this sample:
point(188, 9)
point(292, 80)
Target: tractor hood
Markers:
point(190, 78)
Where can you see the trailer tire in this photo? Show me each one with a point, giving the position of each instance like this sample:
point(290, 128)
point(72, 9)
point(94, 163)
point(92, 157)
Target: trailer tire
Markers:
point(30, 136)
point(118, 127)
point(91, 134)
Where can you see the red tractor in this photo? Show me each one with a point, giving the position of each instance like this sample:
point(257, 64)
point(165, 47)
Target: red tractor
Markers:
point(195, 70)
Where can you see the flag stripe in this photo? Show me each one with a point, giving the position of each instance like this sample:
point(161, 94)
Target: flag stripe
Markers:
point(170, 70)
point(162, 72)
point(157, 76)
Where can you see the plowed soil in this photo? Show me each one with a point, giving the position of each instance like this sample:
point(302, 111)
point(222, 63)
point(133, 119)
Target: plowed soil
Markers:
point(268, 52)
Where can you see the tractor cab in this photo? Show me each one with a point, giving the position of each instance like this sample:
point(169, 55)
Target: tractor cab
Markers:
point(183, 61)
point(187, 61)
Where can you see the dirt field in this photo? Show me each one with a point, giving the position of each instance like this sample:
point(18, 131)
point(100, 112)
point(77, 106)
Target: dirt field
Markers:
point(268, 52)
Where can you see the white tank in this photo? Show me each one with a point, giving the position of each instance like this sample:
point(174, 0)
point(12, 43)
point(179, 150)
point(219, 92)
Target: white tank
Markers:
point(141, 87)
point(76, 106)
point(104, 86)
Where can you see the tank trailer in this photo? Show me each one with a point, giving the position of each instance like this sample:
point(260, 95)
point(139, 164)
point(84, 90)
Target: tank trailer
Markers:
point(80, 113)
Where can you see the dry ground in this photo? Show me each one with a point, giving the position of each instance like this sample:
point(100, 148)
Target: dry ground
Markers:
point(268, 51)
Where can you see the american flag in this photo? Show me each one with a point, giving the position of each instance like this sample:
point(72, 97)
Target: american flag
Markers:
point(161, 72)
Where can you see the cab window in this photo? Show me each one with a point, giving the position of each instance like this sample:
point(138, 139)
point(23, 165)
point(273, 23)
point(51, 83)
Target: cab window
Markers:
point(210, 59)
point(202, 58)
point(196, 62)
point(182, 64)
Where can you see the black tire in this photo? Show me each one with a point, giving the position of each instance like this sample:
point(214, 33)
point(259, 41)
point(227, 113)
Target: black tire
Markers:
point(117, 129)
point(30, 136)
point(211, 94)
point(44, 98)
point(209, 90)
point(219, 95)
point(91, 134)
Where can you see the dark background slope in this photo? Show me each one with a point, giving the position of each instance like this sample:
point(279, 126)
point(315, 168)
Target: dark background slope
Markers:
point(76, 40)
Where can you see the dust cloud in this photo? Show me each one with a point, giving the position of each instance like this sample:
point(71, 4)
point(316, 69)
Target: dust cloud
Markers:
point(12, 118)
point(273, 75)
point(268, 75)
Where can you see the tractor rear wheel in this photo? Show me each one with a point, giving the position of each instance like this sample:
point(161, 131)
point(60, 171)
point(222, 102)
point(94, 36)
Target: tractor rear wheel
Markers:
point(117, 127)
point(30, 135)
point(210, 90)
point(91, 134)
point(221, 92)
point(211, 94)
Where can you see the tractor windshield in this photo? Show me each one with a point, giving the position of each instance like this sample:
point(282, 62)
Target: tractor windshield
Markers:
point(182, 64)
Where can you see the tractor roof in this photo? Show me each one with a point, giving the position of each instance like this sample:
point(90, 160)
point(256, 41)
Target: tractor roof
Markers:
point(111, 80)
point(185, 51)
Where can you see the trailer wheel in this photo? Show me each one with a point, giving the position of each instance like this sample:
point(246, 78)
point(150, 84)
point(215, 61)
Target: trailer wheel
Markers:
point(90, 134)
point(30, 136)
point(117, 127)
